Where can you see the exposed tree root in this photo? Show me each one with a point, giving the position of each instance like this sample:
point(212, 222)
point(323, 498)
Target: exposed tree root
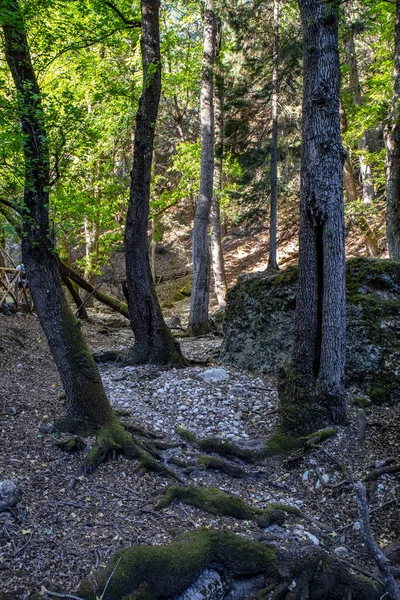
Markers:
point(221, 446)
point(216, 464)
point(152, 572)
point(214, 501)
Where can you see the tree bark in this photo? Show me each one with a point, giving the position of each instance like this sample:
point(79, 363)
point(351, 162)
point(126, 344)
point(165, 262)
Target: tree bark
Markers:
point(216, 245)
point(87, 403)
point(368, 191)
point(312, 388)
point(272, 261)
point(198, 318)
point(154, 342)
point(393, 156)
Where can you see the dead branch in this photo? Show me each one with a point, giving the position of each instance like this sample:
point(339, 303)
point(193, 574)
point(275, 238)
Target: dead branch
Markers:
point(374, 549)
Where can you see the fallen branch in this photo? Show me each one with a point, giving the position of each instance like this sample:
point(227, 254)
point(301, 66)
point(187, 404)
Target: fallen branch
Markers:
point(374, 549)
point(113, 303)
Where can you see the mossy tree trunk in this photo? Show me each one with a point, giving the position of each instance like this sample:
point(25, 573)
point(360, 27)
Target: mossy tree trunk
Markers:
point(154, 342)
point(312, 388)
point(87, 403)
point(393, 156)
point(199, 301)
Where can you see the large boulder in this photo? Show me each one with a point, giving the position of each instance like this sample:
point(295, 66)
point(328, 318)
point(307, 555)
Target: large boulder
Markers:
point(259, 324)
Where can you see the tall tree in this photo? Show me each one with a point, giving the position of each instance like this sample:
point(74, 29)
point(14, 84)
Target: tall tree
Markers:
point(272, 260)
point(154, 342)
point(87, 403)
point(198, 318)
point(393, 155)
point(216, 245)
point(312, 389)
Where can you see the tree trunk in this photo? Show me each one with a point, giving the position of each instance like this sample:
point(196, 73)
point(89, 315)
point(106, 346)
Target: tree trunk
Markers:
point(81, 310)
point(154, 342)
point(393, 156)
point(216, 246)
point(351, 59)
point(312, 389)
point(350, 184)
point(198, 318)
point(272, 261)
point(87, 403)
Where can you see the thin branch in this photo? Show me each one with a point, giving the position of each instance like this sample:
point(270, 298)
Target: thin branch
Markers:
point(109, 579)
point(81, 46)
point(11, 205)
point(46, 591)
point(376, 552)
point(129, 22)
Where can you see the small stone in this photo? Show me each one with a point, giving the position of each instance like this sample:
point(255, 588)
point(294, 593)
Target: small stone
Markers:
point(312, 537)
point(208, 586)
point(325, 478)
point(341, 551)
point(214, 375)
point(357, 525)
point(305, 476)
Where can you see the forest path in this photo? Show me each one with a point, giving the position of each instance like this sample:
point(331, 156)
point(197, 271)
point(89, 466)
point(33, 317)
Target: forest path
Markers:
point(70, 525)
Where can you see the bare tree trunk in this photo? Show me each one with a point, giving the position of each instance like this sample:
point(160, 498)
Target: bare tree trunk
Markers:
point(198, 318)
point(154, 342)
point(87, 404)
point(351, 59)
point(350, 184)
point(312, 388)
point(393, 156)
point(91, 248)
point(216, 246)
point(272, 261)
point(81, 310)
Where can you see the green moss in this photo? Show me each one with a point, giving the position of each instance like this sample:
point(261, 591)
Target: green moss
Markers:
point(374, 272)
point(178, 296)
point(167, 304)
point(186, 435)
point(113, 437)
point(211, 462)
point(286, 277)
point(186, 290)
point(218, 503)
point(380, 391)
point(317, 437)
point(362, 402)
point(211, 500)
point(228, 449)
point(280, 443)
point(163, 571)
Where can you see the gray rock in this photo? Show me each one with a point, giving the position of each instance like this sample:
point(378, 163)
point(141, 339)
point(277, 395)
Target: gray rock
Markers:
point(9, 494)
point(259, 325)
point(214, 375)
point(244, 587)
point(208, 586)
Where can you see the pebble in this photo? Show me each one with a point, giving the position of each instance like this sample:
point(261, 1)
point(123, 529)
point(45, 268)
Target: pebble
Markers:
point(341, 551)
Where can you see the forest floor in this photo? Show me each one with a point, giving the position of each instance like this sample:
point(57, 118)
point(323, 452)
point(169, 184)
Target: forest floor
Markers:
point(66, 525)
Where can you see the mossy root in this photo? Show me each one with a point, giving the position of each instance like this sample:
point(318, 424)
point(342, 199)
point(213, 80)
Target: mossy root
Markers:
point(214, 501)
point(114, 438)
point(163, 571)
point(216, 464)
point(154, 572)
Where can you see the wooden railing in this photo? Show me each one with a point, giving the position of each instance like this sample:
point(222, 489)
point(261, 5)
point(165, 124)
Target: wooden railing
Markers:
point(14, 287)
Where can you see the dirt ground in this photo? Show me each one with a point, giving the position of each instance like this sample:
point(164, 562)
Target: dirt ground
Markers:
point(67, 525)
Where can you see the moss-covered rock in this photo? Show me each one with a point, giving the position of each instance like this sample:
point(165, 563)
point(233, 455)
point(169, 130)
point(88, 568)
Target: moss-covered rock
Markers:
point(163, 571)
point(259, 324)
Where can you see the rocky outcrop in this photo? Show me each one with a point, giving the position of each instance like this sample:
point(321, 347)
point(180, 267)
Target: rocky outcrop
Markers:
point(259, 324)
